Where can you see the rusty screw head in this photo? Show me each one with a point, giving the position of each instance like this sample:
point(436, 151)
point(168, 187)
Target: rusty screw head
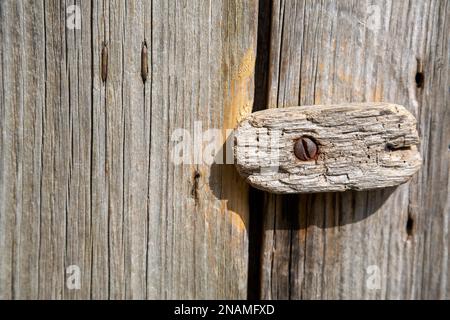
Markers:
point(305, 149)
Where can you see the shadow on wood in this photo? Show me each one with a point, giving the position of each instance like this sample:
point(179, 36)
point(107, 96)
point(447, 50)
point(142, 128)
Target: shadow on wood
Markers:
point(298, 211)
point(325, 210)
point(223, 183)
point(293, 212)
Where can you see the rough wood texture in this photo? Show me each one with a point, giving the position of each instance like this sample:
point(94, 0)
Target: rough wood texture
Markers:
point(360, 147)
point(323, 245)
point(86, 176)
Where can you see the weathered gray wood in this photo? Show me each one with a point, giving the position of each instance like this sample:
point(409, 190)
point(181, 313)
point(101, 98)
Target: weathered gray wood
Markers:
point(323, 245)
point(361, 146)
point(86, 176)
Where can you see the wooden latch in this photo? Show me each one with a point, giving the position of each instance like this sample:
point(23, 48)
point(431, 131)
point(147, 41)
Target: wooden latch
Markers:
point(325, 148)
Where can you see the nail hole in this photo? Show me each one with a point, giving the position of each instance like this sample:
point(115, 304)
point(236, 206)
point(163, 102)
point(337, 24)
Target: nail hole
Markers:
point(409, 225)
point(419, 75)
point(419, 79)
point(194, 190)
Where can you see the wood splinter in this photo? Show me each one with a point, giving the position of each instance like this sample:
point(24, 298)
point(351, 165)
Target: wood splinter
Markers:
point(104, 71)
point(325, 148)
point(144, 61)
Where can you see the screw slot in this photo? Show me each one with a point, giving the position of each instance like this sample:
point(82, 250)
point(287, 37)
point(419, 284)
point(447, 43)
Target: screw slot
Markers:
point(305, 149)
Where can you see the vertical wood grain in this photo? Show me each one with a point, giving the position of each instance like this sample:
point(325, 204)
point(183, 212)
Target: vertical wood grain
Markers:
point(86, 176)
point(321, 246)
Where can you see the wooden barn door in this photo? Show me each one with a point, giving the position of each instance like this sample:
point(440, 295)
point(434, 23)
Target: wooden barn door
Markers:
point(89, 188)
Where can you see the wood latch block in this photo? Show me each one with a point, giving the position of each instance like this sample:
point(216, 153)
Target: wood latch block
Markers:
point(324, 148)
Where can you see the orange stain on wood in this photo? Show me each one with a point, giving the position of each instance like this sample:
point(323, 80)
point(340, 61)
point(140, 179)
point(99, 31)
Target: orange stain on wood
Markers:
point(238, 105)
point(241, 92)
point(379, 92)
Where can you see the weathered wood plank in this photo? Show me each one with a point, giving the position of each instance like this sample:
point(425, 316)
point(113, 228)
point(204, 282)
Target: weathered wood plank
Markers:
point(80, 57)
point(359, 146)
point(332, 245)
point(86, 171)
point(202, 60)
